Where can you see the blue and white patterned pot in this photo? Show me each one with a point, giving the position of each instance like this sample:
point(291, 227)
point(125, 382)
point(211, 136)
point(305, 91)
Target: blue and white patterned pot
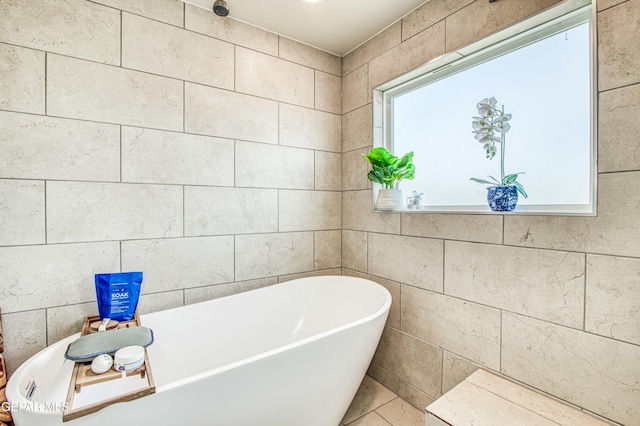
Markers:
point(502, 198)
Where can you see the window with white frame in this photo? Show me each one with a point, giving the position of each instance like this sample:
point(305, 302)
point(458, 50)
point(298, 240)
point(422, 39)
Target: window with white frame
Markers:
point(543, 77)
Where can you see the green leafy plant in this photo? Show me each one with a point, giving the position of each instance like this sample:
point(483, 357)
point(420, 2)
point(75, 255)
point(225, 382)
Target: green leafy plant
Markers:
point(387, 169)
point(491, 128)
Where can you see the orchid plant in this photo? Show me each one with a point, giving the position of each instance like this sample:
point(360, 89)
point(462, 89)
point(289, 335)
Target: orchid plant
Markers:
point(491, 128)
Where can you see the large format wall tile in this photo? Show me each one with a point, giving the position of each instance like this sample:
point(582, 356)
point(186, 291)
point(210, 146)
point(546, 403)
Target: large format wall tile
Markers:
point(481, 18)
point(328, 92)
point(308, 128)
point(327, 249)
point(265, 76)
point(21, 79)
point(373, 48)
point(161, 49)
point(52, 275)
point(618, 148)
point(480, 228)
point(316, 273)
point(384, 377)
point(411, 359)
point(63, 321)
point(618, 38)
point(613, 297)
point(303, 54)
point(160, 301)
point(616, 229)
point(216, 112)
point(354, 250)
point(454, 370)
point(36, 147)
point(179, 263)
point(543, 284)
point(204, 21)
point(86, 211)
point(357, 129)
point(593, 372)
point(168, 11)
point(355, 89)
point(355, 170)
point(358, 214)
point(408, 55)
point(428, 14)
point(201, 294)
point(409, 396)
point(70, 27)
point(90, 91)
point(155, 156)
point(309, 210)
point(226, 211)
point(605, 4)
point(409, 260)
point(21, 212)
point(25, 334)
point(327, 171)
point(456, 325)
point(259, 165)
point(268, 255)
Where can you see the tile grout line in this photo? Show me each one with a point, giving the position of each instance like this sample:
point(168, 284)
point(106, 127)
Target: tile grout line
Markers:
point(120, 146)
point(121, 36)
point(442, 371)
point(184, 211)
point(46, 326)
point(184, 107)
point(444, 266)
point(501, 340)
point(46, 57)
point(584, 302)
point(46, 234)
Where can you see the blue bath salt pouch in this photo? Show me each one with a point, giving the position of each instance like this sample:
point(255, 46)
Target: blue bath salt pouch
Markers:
point(118, 294)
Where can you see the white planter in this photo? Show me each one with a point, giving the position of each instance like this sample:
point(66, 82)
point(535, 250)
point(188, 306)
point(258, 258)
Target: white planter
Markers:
point(389, 199)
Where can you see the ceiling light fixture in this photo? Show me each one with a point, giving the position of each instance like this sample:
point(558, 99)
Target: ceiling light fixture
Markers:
point(312, 1)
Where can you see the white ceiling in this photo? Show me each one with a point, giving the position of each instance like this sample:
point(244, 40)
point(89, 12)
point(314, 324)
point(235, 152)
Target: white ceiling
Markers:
point(336, 26)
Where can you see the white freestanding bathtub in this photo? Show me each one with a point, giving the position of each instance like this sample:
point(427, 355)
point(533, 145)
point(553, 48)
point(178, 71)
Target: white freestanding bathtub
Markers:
point(291, 354)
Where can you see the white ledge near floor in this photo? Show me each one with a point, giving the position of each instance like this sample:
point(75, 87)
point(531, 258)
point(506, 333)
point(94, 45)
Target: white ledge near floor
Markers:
point(486, 399)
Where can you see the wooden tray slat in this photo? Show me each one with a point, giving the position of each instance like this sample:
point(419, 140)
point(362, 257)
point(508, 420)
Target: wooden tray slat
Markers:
point(83, 376)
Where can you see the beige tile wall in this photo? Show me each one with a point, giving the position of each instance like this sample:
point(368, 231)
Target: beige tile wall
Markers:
point(549, 301)
point(121, 150)
point(156, 136)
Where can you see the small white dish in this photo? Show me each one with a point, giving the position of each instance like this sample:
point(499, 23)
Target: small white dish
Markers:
point(128, 358)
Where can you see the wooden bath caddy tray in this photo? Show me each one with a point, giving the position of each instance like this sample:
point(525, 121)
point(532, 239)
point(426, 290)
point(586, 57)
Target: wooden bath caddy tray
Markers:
point(82, 377)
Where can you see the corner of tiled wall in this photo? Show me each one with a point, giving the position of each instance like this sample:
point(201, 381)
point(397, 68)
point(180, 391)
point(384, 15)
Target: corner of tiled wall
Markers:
point(546, 300)
point(156, 136)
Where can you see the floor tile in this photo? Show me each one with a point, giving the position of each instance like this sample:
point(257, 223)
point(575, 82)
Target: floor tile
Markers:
point(400, 413)
point(370, 396)
point(371, 419)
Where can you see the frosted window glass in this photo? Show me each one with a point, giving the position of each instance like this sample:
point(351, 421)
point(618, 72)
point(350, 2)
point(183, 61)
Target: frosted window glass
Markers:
point(545, 85)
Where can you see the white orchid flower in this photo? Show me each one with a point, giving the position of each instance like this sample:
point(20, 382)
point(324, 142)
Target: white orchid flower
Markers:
point(486, 107)
point(489, 129)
